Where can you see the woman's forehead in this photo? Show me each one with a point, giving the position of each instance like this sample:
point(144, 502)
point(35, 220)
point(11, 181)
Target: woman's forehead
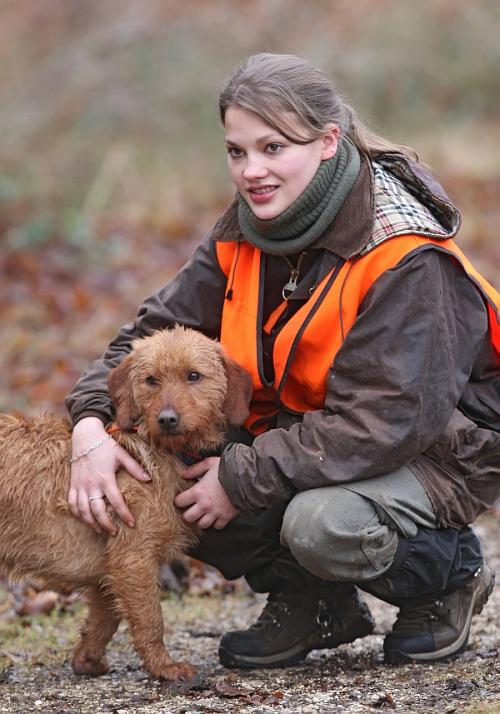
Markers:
point(240, 121)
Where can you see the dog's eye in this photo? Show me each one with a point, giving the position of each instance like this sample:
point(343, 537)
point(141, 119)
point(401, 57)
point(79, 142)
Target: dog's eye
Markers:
point(152, 381)
point(194, 376)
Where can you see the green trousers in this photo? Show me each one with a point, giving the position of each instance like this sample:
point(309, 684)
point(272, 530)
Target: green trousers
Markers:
point(344, 533)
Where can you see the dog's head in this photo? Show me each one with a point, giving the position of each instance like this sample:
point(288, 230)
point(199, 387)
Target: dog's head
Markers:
point(180, 389)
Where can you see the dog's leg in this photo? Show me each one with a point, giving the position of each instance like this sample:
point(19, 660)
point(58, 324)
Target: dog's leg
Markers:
point(100, 626)
point(133, 579)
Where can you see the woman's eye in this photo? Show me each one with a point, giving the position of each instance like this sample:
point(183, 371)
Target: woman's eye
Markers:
point(233, 152)
point(152, 381)
point(273, 148)
point(194, 376)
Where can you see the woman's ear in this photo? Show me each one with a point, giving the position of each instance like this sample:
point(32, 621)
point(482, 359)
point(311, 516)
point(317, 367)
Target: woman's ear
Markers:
point(330, 141)
point(239, 391)
point(120, 390)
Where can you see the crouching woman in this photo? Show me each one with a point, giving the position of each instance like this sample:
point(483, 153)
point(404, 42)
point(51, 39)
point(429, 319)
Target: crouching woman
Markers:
point(373, 440)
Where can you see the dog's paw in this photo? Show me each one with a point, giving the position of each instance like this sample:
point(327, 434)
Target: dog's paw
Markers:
point(179, 675)
point(88, 666)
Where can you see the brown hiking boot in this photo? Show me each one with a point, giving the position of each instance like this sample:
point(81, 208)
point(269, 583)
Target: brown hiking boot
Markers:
point(430, 630)
point(293, 624)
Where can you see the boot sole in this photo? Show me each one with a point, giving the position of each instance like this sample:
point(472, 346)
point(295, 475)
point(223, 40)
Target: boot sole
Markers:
point(282, 659)
point(292, 656)
point(456, 647)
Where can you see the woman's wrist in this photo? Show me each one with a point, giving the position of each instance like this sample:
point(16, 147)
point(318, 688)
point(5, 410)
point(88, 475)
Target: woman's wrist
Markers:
point(90, 448)
point(86, 433)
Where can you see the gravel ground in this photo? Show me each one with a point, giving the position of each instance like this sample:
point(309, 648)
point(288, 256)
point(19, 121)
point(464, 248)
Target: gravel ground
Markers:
point(35, 674)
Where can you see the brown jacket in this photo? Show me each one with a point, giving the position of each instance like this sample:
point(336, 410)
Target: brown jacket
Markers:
point(415, 381)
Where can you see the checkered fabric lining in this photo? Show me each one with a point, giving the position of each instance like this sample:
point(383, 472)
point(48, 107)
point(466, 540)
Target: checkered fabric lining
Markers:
point(397, 212)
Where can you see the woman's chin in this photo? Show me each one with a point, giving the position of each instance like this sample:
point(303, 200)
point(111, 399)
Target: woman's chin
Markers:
point(266, 212)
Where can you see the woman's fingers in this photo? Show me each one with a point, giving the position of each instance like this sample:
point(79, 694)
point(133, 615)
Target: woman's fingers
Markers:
point(130, 465)
point(195, 471)
point(92, 509)
point(193, 514)
point(73, 502)
point(85, 514)
point(116, 501)
point(201, 467)
point(220, 523)
point(185, 498)
point(101, 515)
point(206, 521)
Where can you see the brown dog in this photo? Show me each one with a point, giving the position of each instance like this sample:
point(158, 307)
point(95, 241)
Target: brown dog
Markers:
point(179, 391)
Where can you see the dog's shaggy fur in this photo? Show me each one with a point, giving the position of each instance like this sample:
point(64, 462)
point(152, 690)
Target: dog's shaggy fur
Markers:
point(180, 392)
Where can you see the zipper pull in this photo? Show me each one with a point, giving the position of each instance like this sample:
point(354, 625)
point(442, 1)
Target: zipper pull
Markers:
point(291, 285)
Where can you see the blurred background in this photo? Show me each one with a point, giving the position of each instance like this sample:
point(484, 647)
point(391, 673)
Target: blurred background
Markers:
point(111, 158)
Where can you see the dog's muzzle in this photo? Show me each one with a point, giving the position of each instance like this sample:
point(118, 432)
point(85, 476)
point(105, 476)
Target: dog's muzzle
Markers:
point(168, 421)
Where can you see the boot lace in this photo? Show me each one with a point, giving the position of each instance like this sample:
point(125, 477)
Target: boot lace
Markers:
point(414, 617)
point(272, 613)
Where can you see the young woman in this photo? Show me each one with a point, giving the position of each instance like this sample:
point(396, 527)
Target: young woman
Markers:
point(373, 345)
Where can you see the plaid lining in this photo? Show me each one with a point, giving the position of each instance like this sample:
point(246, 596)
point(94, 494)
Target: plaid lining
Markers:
point(398, 212)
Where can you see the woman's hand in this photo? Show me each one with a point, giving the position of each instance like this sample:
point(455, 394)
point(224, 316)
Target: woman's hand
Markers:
point(206, 502)
point(93, 477)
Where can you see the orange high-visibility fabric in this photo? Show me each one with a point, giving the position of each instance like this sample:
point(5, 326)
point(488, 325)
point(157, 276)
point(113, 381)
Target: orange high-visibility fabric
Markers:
point(323, 321)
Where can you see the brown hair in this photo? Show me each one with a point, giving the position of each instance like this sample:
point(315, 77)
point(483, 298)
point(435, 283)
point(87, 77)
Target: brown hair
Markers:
point(282, 89)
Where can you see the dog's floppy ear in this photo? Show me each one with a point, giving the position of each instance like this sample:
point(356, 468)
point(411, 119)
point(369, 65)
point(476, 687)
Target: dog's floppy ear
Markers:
point(239, 391)
point(120, 391)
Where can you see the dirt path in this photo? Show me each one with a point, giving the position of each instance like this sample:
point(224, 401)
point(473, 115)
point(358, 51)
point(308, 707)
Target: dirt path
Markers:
point(35, 674)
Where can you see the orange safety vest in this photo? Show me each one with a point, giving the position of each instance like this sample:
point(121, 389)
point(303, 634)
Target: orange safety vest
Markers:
point(305, 347)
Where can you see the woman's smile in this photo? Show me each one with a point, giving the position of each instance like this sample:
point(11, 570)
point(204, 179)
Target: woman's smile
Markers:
point(261, 194)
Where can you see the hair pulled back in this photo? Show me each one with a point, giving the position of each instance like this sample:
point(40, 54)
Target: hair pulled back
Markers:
point(298, 100)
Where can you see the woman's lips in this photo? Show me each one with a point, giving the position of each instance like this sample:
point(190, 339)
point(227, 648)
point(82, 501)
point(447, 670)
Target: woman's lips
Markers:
point(262, 194)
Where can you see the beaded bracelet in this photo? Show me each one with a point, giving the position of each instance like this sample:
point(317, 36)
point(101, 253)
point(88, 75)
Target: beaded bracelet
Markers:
point(91, 448)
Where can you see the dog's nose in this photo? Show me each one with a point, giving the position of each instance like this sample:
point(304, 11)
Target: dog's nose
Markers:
point(168, 419)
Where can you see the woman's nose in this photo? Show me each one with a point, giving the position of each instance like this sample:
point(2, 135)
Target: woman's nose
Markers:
point(255, 167)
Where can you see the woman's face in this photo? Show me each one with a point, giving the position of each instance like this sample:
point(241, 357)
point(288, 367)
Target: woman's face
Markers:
point(269, 170)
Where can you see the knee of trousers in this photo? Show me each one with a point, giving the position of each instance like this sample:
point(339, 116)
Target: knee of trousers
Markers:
point(337, 534)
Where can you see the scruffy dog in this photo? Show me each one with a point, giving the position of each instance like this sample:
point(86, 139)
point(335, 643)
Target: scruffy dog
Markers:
point(179, 392)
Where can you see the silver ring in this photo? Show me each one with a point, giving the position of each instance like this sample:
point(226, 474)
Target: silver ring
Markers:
point(95, 498)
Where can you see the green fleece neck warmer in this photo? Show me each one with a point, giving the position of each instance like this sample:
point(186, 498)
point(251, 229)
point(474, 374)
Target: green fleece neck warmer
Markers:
point(311, 213)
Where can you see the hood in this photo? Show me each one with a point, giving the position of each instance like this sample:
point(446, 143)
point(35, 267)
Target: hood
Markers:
point(408, 200)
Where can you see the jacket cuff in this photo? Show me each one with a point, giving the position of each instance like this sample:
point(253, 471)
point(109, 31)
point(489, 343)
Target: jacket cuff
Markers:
point(228, 477)
point(105, 418)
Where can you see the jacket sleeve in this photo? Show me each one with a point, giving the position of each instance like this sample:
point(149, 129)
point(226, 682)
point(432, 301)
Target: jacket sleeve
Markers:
point(193, 298)
point(391, 390)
